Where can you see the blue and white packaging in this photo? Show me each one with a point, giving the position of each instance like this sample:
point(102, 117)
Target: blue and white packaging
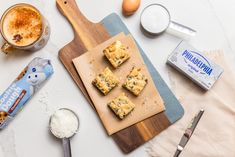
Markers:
point(195, 65)
point(23, 88)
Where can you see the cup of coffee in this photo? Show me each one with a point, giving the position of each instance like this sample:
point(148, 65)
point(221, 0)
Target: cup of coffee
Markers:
point(24, 27)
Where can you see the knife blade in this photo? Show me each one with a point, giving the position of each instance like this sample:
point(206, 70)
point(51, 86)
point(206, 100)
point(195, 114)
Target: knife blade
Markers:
point(188, 133)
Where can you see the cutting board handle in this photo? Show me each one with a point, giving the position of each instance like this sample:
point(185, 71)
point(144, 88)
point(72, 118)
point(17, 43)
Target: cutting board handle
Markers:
point(71, 11)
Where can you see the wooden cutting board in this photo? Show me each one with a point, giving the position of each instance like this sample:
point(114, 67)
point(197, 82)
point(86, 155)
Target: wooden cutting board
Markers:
point(87, 35)
point(147, 104)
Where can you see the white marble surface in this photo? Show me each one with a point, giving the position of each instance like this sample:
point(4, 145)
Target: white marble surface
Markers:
point(28, 134)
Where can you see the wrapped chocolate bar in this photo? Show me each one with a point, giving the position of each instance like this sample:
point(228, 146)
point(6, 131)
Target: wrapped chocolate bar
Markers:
point(195, 65)
point(23, 88)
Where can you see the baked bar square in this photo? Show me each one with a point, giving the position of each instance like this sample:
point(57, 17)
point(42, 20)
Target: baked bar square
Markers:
point(105, 81)
point(116, 53)
point(135, 81)
point(121, 106)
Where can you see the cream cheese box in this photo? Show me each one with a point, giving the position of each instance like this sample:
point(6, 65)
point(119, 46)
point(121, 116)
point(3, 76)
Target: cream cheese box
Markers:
point(195, 65)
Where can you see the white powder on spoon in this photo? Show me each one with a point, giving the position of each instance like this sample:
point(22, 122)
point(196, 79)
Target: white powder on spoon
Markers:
point(64, 123)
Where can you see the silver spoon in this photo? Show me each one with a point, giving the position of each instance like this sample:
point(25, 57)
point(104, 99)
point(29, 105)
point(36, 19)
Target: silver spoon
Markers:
point(58, 127)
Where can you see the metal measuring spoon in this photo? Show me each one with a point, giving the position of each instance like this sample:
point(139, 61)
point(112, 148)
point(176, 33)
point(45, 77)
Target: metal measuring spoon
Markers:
point(59, 126)
point(156, 19)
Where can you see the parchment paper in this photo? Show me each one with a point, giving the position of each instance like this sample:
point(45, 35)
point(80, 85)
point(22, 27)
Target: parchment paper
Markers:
point(148, 103)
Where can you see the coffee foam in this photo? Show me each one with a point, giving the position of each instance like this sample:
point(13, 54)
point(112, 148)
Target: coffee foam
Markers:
point(22, 25)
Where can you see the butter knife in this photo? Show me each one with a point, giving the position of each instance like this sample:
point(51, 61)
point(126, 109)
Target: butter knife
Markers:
point(188, 133)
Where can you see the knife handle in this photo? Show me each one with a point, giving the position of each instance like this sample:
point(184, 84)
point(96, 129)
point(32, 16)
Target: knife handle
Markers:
point(178, 151)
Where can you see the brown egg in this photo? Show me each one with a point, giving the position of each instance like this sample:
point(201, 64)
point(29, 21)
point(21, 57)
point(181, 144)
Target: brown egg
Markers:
point(129, 7)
